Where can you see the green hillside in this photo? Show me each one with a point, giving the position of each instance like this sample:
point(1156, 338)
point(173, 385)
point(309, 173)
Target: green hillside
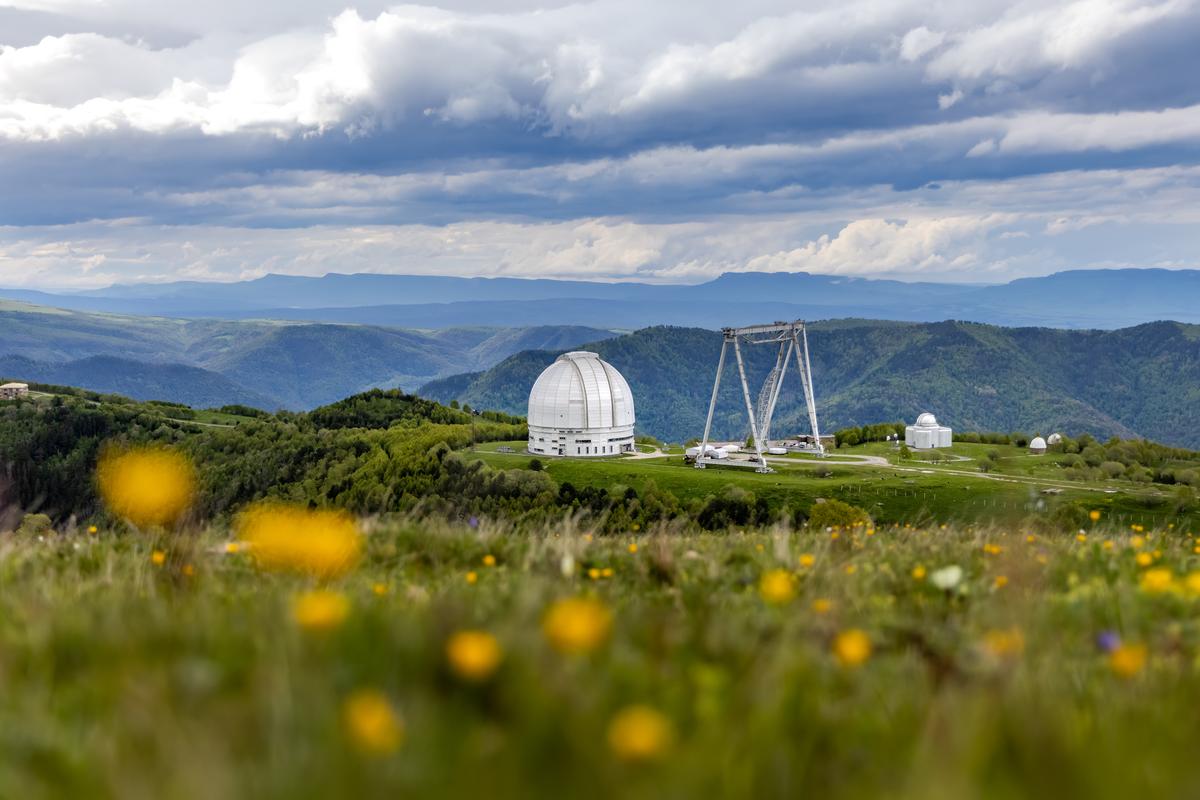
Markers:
point(277, 364)
point(1142, 381)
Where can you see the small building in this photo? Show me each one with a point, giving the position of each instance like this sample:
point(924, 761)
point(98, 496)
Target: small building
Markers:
point(1038, 446)
point(927, 434)
point(580, 406)
point(11, 391)
point(1053, 439)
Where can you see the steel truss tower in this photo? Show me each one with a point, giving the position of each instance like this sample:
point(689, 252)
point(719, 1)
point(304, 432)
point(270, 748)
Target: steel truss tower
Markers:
point(792, 340)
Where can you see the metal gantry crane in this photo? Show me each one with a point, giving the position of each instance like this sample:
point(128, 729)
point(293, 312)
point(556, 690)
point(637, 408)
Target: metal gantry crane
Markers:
point(792, 341)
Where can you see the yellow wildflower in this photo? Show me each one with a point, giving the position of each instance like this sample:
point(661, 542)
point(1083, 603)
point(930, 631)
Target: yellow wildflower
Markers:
point(807, 560)
point(777, 587)
point(640, 733)
point(918, 572)
point(232, 547)
point(607, 572)
point(1081, 537)
point(322, 543)
point(1137, 542)
point(851, 569)
point(577, 625)
point(473, 655)
point(822, 605)
point(1144, 559)
point(189, 570)
point(594, 573)
point(851, 647)
point(320, 610)
point(158, 558)
point(372, 723)
point(1127, 660)
point(489, 560)
point(1094, 515)
point(93, 530)
point(1000, 581)
point(1156, 581)
point(380, 589)
point(472, 577)
point(633, 548)
point(1004, 644)
point(150, 486)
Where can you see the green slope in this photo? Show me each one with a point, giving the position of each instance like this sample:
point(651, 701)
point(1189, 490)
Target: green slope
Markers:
point(1141, 381)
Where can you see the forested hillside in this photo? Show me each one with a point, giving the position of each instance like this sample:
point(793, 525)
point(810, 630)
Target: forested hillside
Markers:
point(270, 364)
point(1141, 381)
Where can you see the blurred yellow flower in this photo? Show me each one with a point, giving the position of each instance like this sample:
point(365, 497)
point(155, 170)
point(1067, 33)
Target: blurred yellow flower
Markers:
point(822, 605)
point(594, 573)
point(1192, 583)
point(918, 573)
point(232, 547)
point(1081, 537)
point(380, 589)
point(640, 733)
point(372, 723)
point(1094, 515)
point(607, 572)
point(1137, 542)
point(1127, 660)
point(807, 560)
point(472, 577)
point(993, 549)
point(489, 560)
point(320, 610)
point(473, 655)
point(851, 647)
point(321, 543)
point(1004, 644)
point(851, 569)
point(158, 558)
point(577, 625)
point(1144, 559)
point(149, 486)
point(93, 530)
point(1156, 581)
point(777, 586)
point(189, 570)
point(633, 548)
point(1000, 581)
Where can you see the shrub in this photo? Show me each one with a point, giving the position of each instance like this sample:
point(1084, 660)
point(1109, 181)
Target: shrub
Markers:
point(831, 513)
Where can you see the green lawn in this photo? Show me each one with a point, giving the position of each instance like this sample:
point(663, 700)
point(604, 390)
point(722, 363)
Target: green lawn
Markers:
point(767, 665)
point(919, 493)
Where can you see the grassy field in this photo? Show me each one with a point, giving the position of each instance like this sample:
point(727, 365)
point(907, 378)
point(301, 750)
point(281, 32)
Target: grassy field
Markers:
point(911, 492)
point(898, 662)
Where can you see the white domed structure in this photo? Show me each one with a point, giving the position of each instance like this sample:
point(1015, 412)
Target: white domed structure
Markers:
point(1053, 439)
point(1037, 446)
point(580, 406)
point(927, 434)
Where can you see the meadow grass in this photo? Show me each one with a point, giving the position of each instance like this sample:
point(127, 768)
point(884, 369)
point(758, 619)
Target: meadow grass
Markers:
point(188, 674)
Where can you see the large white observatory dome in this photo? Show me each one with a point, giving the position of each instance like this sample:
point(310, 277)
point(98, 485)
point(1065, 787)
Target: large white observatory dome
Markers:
point(580, 406)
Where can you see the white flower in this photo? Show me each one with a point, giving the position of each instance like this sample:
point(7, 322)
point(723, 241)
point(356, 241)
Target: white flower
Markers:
point(946, 577)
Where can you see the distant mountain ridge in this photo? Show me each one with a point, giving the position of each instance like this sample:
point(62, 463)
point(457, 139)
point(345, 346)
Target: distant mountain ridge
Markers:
point(289, 365)
point(1075, 299)
point(1139, 381)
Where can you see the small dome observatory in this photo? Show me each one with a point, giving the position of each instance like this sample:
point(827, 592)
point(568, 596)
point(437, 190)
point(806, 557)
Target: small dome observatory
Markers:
point(1037, 446)
point(580, 406)
point(926, 433)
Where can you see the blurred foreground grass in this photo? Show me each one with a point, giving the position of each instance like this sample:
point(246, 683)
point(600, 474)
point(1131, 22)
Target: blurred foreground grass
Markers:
point(898, 662)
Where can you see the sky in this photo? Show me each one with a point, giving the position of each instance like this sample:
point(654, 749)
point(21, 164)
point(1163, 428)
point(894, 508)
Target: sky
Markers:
point(143, 141)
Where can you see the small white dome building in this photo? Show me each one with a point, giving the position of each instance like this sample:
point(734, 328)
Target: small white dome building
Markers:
point(1053, 439)
point(927, 434)
point(1037, 446)
point(580, 406)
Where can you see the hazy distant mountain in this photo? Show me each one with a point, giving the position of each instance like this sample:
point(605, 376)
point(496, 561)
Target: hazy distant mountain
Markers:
point(282, 364)
point(1142, 381)
point(177, 383)
point(1078, 299)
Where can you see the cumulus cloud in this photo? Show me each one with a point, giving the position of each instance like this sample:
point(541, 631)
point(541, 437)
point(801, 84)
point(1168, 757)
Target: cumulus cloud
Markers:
point(565, 138)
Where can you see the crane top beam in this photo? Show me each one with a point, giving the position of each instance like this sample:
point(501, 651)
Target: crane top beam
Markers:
point(780, 331)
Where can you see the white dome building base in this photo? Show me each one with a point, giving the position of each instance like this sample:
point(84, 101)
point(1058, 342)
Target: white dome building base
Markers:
point(927, 434)
point(580, 406)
